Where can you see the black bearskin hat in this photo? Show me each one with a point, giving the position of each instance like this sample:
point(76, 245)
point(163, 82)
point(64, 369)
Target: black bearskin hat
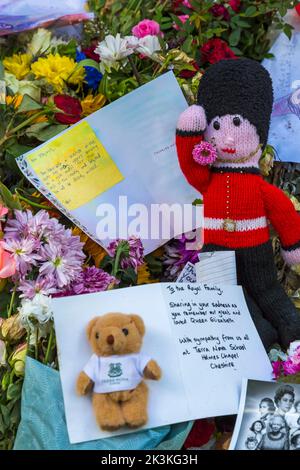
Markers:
point(238, 86)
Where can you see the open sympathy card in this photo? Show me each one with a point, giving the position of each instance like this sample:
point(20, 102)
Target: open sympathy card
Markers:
point(111, 172)
point(201, 335)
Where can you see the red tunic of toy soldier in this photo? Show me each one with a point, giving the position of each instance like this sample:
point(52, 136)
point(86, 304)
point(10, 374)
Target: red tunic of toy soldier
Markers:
point(235, 100)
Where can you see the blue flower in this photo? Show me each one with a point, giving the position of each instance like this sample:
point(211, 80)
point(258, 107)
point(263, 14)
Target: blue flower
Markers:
point(92, 75)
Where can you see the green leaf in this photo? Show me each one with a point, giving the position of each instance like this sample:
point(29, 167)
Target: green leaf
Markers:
point(14, 391)
point(43, 131)
point(8, 199)
point(28, 104)
point(5, 380)
point(186, 46)
point(288, 30)
point(89, 63)
point(197, 202)
point(18, 149)
point(234, 37)
point(11, 163)
point(241, 23)
point(68, 49)
point(237, 51)
point(33, 130)
point(5, 415)
point(250, 11)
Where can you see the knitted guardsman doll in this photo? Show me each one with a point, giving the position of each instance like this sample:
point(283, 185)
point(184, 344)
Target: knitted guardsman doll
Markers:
point(235, 99)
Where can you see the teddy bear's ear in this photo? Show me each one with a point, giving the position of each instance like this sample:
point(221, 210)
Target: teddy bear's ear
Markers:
point(139, 323)
point(90, 327)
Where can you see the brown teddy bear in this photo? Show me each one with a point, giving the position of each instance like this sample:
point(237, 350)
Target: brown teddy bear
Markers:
point(116, 371)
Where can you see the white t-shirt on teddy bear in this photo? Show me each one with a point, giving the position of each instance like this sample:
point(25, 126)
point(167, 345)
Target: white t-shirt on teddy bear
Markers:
point(116, 373)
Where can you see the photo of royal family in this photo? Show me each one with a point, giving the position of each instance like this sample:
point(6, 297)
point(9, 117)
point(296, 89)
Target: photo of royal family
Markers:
point(268, 418)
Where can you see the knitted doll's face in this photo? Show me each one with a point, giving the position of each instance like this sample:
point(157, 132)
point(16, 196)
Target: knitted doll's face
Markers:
point(233, 136)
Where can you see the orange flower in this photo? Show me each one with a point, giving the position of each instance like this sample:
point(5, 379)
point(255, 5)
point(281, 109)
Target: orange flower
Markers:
point(15, 101)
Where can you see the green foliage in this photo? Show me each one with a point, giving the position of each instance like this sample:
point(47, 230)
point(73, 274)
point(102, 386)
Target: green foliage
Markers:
point(245, 31)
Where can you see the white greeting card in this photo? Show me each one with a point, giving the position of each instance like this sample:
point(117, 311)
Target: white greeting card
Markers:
point(201, 335)
point(116, 172)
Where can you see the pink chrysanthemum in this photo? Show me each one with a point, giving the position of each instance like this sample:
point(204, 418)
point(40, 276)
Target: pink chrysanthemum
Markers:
point(204, 153)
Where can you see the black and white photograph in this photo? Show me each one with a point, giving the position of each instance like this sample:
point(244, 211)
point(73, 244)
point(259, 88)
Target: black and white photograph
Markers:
point(268, 418)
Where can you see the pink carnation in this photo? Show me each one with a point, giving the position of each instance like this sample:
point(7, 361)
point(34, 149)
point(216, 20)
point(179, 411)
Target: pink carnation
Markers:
point(290, 368)
point(146, 28)
point(204, 153)
point(296, 356)
point(276, 369)
point(183, 19)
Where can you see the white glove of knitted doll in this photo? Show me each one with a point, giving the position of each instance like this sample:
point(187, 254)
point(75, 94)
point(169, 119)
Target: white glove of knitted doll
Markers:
point(192, 120)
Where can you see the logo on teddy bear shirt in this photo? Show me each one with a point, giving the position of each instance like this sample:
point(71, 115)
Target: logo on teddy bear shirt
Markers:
point(115, 370)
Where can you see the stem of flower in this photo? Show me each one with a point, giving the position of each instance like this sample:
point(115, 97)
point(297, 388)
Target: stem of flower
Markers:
point(35, 204)
point(135, 71)
point(49, 345)
point(37, 343)
point(117, 259)
point(12, 300)
point(26, 122)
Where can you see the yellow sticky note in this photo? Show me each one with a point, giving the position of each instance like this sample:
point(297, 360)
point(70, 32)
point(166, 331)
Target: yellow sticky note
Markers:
point(75, 166)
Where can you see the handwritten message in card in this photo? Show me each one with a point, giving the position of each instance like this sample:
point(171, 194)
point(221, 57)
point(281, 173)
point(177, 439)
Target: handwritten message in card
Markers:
point(215, 338)
point(75, 166)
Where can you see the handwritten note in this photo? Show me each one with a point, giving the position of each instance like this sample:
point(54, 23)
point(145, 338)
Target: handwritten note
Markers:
point(188, 274)
point(216, 341)
point(75, 166)
point(217, 266)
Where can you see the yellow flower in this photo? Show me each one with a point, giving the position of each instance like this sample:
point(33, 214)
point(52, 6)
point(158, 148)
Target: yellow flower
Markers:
point(42, 118)
point(91, 247)
point(15, 101)
point(91, 103)
point(18, 64)
point(11, 329)
point(58, 70)
point(144, 275)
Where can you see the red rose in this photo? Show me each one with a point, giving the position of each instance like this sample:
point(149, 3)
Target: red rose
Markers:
point(200, 434)
point(89, 52)
point(220, 10)
point(189, 73)
point(71, 107)
point(214, 50)
point(235, 5)
point(297, 8)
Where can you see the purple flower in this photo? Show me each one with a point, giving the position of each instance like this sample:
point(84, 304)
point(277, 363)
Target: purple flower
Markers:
point(23, 253)
point(185, 252)
point(63, 263)
point(92, 279)
point(132, 252)
point(26, 224)
point(42, 285)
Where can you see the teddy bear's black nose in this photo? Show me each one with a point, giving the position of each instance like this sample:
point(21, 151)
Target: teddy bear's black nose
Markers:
point(110, 339)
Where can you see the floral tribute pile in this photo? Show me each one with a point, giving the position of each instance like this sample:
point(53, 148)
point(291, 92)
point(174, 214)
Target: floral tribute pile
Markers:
point(52, 81)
